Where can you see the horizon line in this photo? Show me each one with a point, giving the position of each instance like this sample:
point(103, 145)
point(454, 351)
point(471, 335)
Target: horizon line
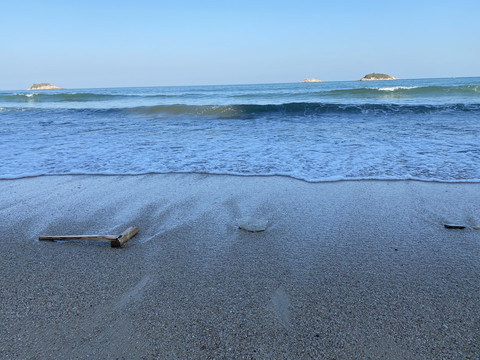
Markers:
point(236, 84)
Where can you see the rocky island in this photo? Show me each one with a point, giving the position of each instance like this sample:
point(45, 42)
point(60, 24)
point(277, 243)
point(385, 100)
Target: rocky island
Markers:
point(311, 80)
point(377, 76)
point(44, 86)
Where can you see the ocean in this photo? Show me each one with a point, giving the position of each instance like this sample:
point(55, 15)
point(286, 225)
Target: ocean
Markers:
point(422, 129)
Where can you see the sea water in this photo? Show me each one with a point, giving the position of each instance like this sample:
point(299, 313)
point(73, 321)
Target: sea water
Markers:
point(425, 129)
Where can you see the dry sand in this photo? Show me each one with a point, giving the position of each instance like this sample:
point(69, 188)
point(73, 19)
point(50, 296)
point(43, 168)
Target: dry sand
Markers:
point(344, 270)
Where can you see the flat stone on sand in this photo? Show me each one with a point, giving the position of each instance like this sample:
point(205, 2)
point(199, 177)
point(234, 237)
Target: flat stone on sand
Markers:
point(252, 224)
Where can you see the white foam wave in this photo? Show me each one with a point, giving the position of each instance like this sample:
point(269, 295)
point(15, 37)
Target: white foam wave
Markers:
point(393, 88)
point(26, 95)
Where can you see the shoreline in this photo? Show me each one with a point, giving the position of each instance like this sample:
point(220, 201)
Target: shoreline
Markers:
point(345, 269)
point(326, 181)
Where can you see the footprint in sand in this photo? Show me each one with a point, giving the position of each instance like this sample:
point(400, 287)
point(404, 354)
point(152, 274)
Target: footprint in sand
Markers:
point(281, 304)
point(135, 293)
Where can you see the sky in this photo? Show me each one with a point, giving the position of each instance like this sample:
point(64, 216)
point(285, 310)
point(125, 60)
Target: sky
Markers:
point(91, 44)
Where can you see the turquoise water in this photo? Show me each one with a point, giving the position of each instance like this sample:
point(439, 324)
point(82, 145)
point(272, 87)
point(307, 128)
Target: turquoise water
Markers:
point(426, 129)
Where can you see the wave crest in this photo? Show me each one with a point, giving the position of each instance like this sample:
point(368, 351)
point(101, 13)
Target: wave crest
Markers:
point(295, 109)
point(410, 91)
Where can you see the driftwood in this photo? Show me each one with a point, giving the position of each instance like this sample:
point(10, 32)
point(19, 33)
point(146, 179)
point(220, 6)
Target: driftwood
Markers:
point(115, 240)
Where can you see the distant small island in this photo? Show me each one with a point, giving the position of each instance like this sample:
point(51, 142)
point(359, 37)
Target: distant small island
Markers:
point(310, 80)
point(377, 76)
point(44, 86)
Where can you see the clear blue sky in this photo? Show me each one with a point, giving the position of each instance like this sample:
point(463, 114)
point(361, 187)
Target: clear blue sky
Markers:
point(148, 43)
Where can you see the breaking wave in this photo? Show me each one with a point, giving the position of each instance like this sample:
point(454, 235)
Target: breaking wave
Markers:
point(296, 109)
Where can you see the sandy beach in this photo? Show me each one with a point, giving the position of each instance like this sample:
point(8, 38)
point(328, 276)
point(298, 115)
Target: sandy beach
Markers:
point(344, 270)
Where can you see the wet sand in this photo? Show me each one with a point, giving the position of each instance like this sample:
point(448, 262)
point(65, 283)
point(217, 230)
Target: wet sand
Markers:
point(359, 269)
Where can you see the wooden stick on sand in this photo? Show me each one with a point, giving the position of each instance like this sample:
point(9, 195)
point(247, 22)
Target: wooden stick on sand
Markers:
point(115, 240)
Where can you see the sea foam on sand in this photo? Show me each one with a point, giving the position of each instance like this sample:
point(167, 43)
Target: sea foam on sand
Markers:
point(360, 269)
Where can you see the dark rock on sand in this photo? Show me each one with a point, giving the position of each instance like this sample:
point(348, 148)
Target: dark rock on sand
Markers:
point(454, 226)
